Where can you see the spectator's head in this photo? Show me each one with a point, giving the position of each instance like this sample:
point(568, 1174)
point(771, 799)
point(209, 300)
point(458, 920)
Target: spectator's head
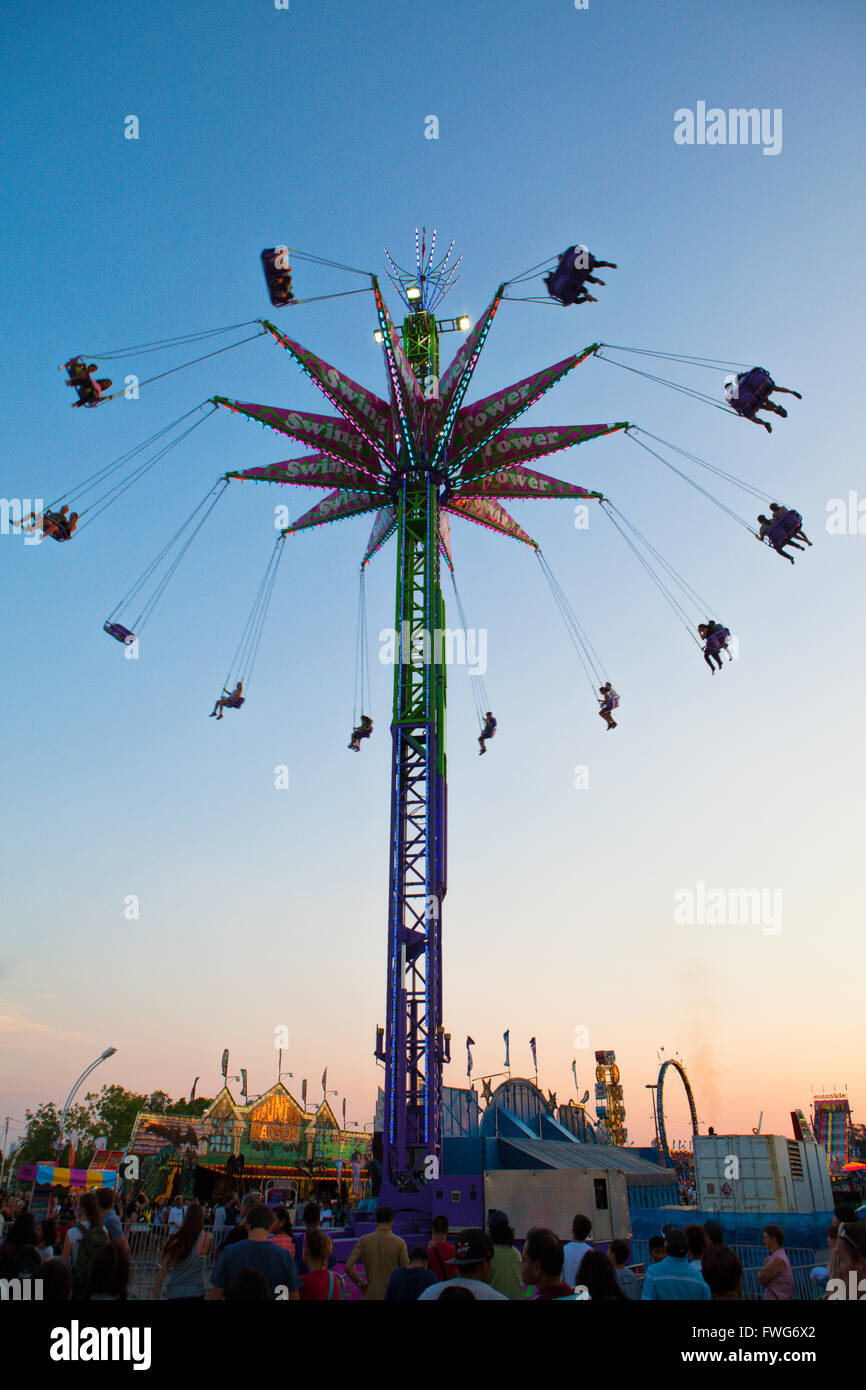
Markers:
point(542, 1257)
point(713, 1232)
point(501, 1233)
point(248, 1201)
point(676, 1243)
point(23, 1230)
point(418, 1257)
point(89, 1208)
point(440, 1226)
point(282, 1220)
point(473, 1251)
point(841, 1214)
point(656, 1246)
point(597, 1275)
point(619, 1252)
point(312, 1214)
point(851, 1246)
point(109, 1272)
point(105, 1198)
point(723, 1272)
point(318, 1249)
point(457, 1293)
point(248, 1286)
point(581, 1227)
point(259, 1217)
point(832, 1234)
point(56, 1281)
point(697, 1241)
point(774, 1237)
point(384, 1216)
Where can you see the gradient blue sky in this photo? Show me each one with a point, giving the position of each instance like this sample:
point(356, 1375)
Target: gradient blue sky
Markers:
point(262, 907)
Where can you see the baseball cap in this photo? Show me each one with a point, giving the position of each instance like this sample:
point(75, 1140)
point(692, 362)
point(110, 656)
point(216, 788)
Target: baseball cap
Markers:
point(472, 1247)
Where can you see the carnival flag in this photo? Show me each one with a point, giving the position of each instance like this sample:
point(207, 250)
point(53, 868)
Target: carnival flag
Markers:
point(470, 1043)
point(192, 1092)
point(304, 1094)
point(225, 1064)
point(243, 1083)
point(506, 1038)
point(325, 1081)
point(356, 1174)
point(344, 1112)
point(534, 1057)
point(338, 1164)
point(574, 1073)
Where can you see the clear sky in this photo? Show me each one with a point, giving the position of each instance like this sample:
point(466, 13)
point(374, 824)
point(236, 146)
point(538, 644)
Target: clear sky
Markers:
point(261, 907)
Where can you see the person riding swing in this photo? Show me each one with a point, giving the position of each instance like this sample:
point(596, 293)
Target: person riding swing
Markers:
point(487, 732)
point(608, 702)
point(364, 730)
point(230, 699)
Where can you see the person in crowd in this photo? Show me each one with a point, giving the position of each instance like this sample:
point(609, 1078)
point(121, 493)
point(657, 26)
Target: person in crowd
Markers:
point(56, 1282)
point(281, 1230)
point(108, 1280)
point(851, 1244)
point(183, 1257)
point(674, 1279)
point(618, 1254)
point(111, 1222)
point(841, 1214)
point(176, 1215)
point(542, 1265)
point(597, 1275)
point(380, 1252)
point(320, 1284)
point(776, 1278)
point(576, 1248)
point(723, 1273)
point(312, 1218)
point(19, 1253)
point(713, 1233)
point(440, 1251)
point(47, 1239)
point(407, 1285)
point(697, 1239)
point(656, 1246)
point(256, 1252)
point(83, 1241)
point(239, 1230)
point(473, 1258)
point(505, 1267)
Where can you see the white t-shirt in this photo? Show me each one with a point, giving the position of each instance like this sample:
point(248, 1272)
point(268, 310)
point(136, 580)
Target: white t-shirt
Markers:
point(481, 1291)
point(175, 1217)
point(573, 1253)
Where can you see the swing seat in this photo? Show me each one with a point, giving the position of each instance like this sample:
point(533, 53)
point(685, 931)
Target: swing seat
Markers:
point(782, 530)
point(235, 702)
point(59, 528)
point(119, 633)
point(753, 390)
point(279, 281)
point(566, 282)
point(716, 641)
point(76, 369)
point(612, 703)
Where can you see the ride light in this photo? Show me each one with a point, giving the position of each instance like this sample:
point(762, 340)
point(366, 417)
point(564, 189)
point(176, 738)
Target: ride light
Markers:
point(413, 293)
point(464, 323)
point(378, 336)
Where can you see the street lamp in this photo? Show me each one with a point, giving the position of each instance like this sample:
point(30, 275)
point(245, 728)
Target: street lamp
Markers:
point(103, 1056)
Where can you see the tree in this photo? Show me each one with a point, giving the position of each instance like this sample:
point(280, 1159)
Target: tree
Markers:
point(43, 1132)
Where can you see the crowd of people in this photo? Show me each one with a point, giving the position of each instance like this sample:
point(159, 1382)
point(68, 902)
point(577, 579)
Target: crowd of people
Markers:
point(202, 1253)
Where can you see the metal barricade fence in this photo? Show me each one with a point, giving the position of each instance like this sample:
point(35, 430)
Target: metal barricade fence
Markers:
point(146, 1244)
point(752, 1258)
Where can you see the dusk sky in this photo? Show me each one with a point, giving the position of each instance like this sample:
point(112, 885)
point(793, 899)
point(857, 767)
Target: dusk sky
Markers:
point(262, 906)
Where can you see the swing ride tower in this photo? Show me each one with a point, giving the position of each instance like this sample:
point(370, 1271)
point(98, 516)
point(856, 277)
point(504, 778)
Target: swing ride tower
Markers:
point(415, 461)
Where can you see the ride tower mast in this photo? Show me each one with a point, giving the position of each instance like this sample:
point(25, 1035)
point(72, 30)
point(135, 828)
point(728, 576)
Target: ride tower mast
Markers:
point(414, 1045)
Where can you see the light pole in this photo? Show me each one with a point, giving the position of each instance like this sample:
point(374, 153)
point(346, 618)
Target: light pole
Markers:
point(103, 1056)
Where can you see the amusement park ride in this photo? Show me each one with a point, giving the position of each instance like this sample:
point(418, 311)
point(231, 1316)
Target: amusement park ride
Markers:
point(413, 462)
